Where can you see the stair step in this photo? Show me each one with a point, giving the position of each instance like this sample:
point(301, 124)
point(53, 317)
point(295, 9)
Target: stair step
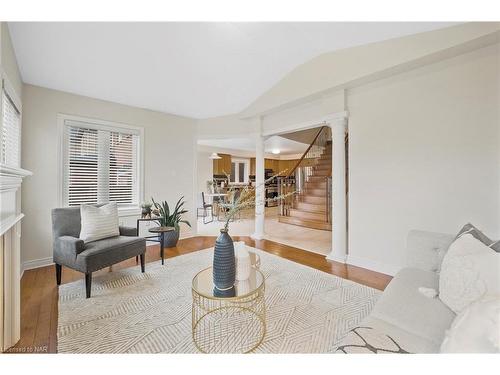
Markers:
point(315, 178)
point(312, 199)
point(316, 192)
point(316, 185)
point(314, 224)
point(323, 173)
point(322, 169)
point(311, 207)
point(323, 164)
point(319, 216)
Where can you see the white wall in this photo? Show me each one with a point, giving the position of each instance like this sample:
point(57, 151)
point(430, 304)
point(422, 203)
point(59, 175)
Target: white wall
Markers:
point(205, 169)
point(169, 157)
point(424, 154)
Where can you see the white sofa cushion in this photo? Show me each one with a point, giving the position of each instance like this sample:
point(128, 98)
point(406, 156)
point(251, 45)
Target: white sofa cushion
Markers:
point(476, 329)
point(402, 305)
point(99, 222)
point(470, 270)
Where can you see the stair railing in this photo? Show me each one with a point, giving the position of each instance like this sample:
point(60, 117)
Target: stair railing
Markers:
point(328, 193)
point(296, 178)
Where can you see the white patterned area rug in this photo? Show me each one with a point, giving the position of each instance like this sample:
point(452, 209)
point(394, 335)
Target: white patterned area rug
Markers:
point(307, 311)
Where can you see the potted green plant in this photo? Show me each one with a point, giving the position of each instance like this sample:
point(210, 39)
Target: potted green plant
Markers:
point(167, 218)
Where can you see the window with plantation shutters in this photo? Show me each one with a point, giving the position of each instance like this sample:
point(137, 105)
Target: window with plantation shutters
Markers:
point(100, 165)
point(11, 132)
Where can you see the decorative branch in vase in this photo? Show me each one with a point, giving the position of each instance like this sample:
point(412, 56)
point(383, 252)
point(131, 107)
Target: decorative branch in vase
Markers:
point(224, 267)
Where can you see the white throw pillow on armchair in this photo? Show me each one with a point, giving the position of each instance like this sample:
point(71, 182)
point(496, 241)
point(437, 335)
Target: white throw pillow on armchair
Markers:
point(99, 222)
point(476, 329)
point(470, 270)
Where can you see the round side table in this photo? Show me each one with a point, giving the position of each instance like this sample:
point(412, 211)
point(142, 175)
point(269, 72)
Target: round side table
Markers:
point(161, 234)
point(232, 321)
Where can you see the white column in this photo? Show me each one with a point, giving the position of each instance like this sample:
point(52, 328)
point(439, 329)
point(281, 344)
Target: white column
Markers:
point(260, 189)
point(339, 199)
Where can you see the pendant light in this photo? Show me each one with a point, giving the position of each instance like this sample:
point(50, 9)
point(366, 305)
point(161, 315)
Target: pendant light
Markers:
point(214, 156)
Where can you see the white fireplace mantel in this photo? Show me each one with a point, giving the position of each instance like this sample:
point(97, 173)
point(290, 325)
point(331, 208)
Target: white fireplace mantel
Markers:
point(10, 183)
point(10, 254)
point(11, 178)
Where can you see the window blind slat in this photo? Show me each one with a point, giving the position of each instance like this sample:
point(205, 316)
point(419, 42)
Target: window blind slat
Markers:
point(11, 133)
point(100, 165)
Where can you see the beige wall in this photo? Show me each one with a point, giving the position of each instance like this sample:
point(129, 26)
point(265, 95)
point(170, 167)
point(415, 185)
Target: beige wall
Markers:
point(8, 60)
point(424, 154)
point(169, 157)
point(226, 126)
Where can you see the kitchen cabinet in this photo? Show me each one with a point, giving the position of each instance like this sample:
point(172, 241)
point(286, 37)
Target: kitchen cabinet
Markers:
point(268, 163)
point(272, 164)
point(286, 166)
point(222, 165)
point(276, 165)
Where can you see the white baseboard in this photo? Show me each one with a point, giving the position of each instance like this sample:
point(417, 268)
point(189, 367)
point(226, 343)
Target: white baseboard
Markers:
point(336, 258)
point(258, 236)
point(373, 265)
point(36, 263)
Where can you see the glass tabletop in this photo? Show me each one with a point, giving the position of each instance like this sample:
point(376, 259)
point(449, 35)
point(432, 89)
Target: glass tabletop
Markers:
point(203, 284)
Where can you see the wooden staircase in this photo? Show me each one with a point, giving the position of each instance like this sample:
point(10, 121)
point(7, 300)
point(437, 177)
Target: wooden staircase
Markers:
point(309, 208)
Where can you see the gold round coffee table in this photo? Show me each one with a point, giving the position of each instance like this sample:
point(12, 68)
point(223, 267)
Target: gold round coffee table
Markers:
point(231, 321)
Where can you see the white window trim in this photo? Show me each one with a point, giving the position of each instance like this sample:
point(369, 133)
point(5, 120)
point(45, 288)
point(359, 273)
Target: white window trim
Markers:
point(246, 171)
point(100, 125)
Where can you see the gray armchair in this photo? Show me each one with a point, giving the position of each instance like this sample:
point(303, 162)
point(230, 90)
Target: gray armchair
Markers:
point(70, 251)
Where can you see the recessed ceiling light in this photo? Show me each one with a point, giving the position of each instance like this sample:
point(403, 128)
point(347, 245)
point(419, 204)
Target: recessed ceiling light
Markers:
point(275, 151)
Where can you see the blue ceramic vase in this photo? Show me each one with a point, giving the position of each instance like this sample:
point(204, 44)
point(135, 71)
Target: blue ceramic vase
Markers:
point(224, 267)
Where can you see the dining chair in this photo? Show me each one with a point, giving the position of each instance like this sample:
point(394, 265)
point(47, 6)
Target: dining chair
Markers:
point(205, 207)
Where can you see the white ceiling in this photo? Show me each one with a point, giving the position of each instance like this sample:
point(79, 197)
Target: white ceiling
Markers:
point(197, 70)
point(285, 146)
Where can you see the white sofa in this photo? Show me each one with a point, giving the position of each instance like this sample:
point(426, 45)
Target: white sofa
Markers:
point(417, 324)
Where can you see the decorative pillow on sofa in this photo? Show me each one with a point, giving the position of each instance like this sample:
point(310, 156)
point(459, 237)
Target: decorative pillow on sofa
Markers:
point(476, 329)
point(470, 270)
point(477, 234)
point(99, 222)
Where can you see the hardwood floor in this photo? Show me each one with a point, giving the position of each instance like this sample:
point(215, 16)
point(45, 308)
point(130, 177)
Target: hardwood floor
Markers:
point(39, 293)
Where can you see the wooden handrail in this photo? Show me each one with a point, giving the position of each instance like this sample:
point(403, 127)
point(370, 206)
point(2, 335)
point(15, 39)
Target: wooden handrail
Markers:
point(305, 153)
